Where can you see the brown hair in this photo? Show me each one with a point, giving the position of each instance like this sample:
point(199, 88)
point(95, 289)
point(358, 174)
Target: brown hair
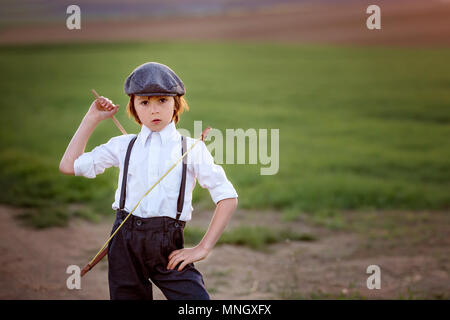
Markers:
point(180, 106)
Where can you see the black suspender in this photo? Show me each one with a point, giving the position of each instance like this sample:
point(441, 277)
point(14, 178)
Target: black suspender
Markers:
point(180, 202)
point(183, 179)
point(123, 193)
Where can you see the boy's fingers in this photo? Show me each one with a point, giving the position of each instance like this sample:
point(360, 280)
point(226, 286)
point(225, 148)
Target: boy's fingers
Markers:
point(182, 265)
point(107, 106)
point(174, 262)
point(172, 254)
point(100, 104)
point(105, 102)
point(181, 261)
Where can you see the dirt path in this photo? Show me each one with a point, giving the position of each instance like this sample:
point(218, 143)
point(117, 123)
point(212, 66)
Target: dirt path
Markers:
point(33, 262)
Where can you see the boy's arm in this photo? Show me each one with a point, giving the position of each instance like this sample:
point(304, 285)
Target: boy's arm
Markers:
point(99, 110)
point(213, 177)
point(224, 210)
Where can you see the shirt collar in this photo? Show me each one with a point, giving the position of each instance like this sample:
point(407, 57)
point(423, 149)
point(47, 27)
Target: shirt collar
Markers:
point(166, 134)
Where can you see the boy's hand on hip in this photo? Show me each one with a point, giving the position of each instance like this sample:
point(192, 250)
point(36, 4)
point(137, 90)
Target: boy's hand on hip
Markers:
point(186, 256)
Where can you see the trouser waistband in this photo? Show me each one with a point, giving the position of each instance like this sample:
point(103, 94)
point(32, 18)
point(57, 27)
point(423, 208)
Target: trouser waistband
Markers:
point(151, 223)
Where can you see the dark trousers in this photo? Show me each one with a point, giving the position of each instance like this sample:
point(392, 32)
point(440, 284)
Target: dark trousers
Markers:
point(139, 251)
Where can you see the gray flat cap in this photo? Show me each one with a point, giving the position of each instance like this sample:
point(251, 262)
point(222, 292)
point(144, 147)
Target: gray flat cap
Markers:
point(154, 79)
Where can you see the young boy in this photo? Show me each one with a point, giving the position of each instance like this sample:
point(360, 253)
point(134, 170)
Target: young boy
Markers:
point(150, 244)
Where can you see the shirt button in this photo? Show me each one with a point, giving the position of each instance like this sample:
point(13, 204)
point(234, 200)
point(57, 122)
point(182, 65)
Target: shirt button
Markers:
point(138, 222)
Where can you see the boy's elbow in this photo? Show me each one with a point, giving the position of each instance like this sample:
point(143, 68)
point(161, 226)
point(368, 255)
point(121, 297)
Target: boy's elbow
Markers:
point(233, 202)
point(66, 169)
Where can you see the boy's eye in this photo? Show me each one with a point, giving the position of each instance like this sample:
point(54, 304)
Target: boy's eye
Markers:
point(144, 102)
point(163, 100)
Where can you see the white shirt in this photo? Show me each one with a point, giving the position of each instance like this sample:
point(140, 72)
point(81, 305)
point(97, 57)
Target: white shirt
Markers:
point(152, 155)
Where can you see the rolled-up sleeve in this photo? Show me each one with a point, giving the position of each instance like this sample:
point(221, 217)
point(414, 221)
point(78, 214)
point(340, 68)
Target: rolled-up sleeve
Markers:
point(212, 176)
point(90, 164)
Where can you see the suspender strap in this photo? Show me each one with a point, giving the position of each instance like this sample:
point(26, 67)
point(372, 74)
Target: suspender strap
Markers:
point(125, 174)
point(183, 179)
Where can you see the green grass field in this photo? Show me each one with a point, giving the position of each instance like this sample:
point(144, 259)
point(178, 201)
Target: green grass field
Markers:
point(360, 128)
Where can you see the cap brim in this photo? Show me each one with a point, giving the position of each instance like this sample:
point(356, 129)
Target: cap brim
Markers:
point(155, 94)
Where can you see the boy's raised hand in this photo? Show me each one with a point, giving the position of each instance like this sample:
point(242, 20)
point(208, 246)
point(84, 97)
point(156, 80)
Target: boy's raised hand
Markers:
point(102, 108)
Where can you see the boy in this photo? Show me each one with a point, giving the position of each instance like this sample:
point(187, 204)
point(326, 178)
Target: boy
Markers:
point(150, 244)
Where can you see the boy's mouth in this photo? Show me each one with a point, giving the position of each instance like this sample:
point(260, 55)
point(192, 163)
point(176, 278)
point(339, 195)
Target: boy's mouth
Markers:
point(156, 121)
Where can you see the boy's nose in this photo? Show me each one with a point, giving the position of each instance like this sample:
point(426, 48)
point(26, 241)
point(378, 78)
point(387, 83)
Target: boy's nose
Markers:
point(153, 108)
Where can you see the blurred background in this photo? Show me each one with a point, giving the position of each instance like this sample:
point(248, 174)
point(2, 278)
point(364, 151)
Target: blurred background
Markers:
point(364, 150)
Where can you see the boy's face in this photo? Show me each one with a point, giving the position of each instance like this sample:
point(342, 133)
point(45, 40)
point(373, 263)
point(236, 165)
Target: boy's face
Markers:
point(150, 109)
